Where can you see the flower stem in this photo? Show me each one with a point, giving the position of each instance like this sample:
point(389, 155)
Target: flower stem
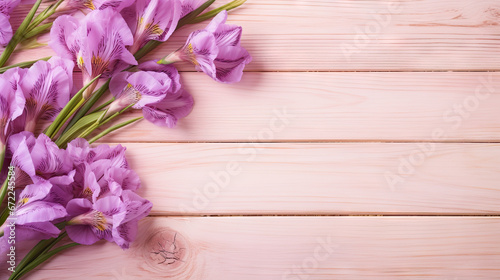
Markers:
point(88, 105)
point(3, 191)
point(103, 105)
point(98, 123)
point(73, 105)
point(3, 148)
point(229, 6)
point(113, 128)
point(18, 36)
point(22, 64)
point(45, 255)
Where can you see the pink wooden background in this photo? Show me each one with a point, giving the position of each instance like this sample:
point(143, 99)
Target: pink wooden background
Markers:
point(362, 143)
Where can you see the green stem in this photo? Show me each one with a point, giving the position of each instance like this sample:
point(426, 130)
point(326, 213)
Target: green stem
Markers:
point(229, 6)
point(40, 259)
point(3, 191)
point(18, 36)
point(75, 130)
point(22, 64)
point(37, 30)
point(103, 105)
point(98, 122)
point(3, 148)
point(32, 254)
point(73, 105)
point(113, 128)
point(88, 105)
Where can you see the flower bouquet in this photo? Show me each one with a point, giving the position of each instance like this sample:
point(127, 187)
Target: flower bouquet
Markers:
point(59, 189)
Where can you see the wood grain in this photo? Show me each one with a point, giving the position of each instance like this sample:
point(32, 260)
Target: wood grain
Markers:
point(326, 179)
point(293, 248)
point(276, 107)
point(369, 35)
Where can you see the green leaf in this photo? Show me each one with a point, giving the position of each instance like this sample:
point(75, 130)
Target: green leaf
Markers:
point(32, 254)
point(42, 258)
point(22, 64)
point(74, 104)
point(229, 6)
point(17, 37)
point(38, 30)
point(88, 105)
point(113, 128)
point(80, 126)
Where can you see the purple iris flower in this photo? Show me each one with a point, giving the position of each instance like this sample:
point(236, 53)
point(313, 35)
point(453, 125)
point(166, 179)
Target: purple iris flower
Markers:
point(156, 90)
point(138, 89)
point(101, 171)
point(152, 20)
point(6, 7)
point(73, 5)
point(38, 159)
point(47, 87)
point(12, 104)
point(215, 50)
point(177, 104)
point(112, 218)
point(97, 44)
point(34, 215)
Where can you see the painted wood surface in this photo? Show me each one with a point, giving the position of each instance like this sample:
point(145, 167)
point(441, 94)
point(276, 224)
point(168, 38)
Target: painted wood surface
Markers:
point(307, 59)
point(324, 179)
point(277, 107)
point(368, 35)
point(293, 248)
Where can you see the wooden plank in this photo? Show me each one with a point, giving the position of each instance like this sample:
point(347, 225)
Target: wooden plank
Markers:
point(325, 179)
point(367, 35)
point(293, 248)
point(268, 107)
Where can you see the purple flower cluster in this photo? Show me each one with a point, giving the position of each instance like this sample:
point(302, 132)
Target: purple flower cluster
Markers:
point(104, 41)
point(90, 192)
point(93, 190)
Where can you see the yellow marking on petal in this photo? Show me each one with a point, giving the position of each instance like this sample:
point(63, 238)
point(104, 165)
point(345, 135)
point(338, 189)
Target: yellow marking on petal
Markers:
point(89, 4)
point(191, 55)
point(24, 200)
point(80, 62)
point(100, 222)
point(87, 192)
